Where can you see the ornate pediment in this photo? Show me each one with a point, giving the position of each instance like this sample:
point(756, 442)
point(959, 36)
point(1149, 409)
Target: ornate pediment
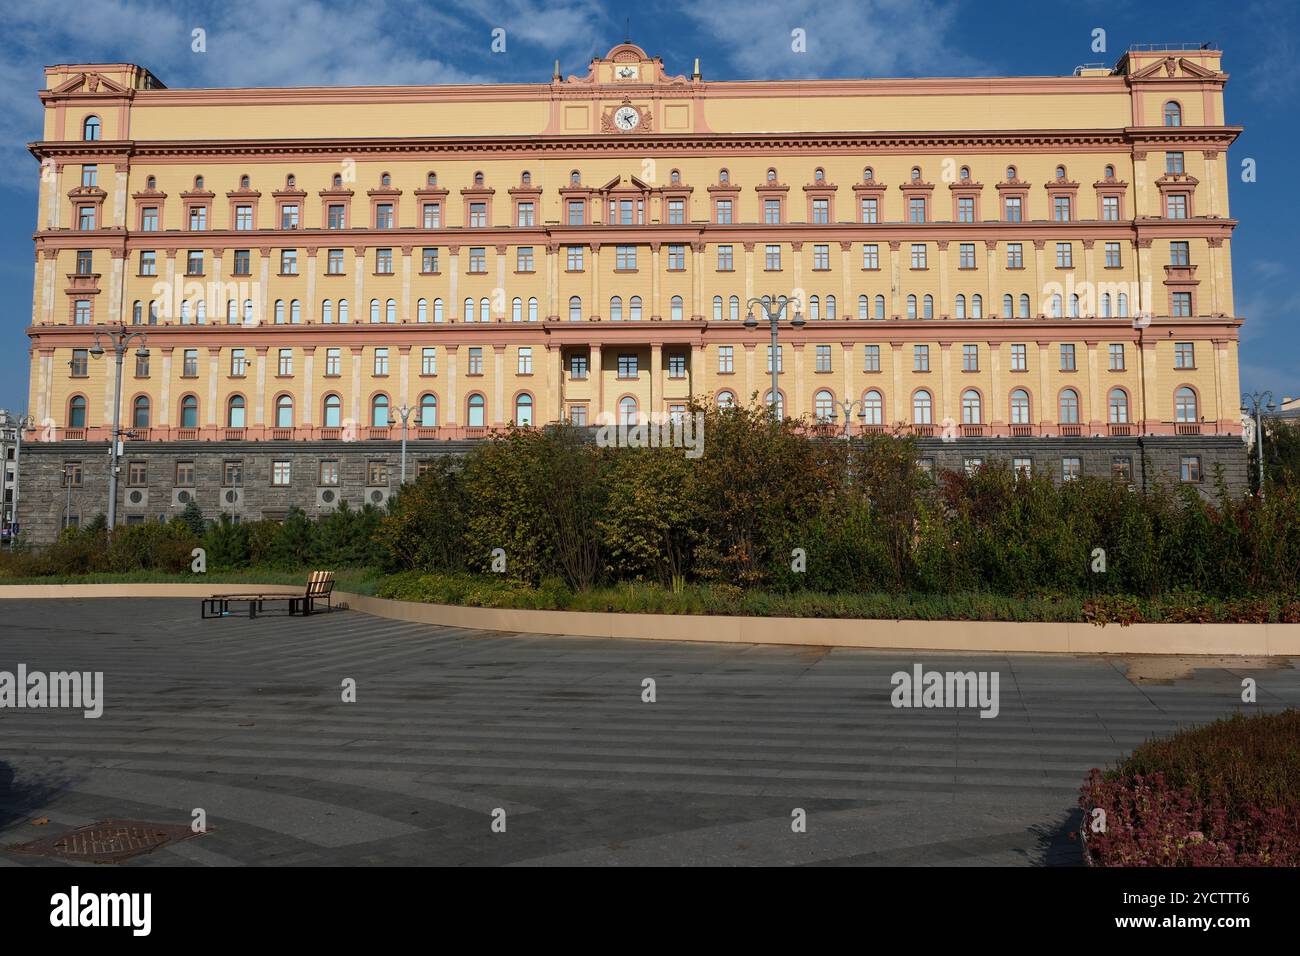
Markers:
point(90, 83)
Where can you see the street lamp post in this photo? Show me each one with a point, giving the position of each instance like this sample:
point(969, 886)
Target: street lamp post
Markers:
point(1253, 404)
point(773, 310)
point(119, 337)
point(847, 405)
point(405, 413)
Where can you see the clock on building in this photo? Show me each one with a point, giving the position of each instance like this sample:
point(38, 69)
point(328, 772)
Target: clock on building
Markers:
point(627, 117)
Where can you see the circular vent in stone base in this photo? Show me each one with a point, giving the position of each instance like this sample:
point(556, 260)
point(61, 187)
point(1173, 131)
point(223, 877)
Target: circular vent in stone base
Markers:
point(232, 496)
point(183, 497)
point(327, 496)
point(376, 496)
point(135, 497)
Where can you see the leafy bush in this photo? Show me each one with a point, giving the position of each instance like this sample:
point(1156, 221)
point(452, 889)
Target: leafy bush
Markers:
point(1226, 794)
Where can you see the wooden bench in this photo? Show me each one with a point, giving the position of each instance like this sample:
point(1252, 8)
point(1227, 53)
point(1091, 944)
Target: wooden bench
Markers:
point(320, 586)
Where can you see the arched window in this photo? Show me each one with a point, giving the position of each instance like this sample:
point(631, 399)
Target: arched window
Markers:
point(575, 308)
point(1011, 174)
point(431, 179)
point(236, 409)
point(201, 311)
point(532, 310)
point(337, 181)
point(964, 173)
point(1185, 405)
point(927, 307)
point(516, 309)
point(1173, 114)
point(1008, 306)
point(526, 178)
point(1057, 306)
point(819, 175)
point(922, 408)
point(1024, 305)
point(780, 402)
point(429, 410)
point(385, 179)
point(469, 310)
point(1118, 402)
point(864, 308)
point(830, 308)
point(726, 399)
point(151, 182)
point(1105, 305)
point(1019, 407)
point(724, 176)
point(333, 411)
point(676, 308)
point(771, 175)
point(189, 412)
point(77, 411)
point(824, 406)
point(868, 174)
point(616, 309)
point(970, 407)
point(916, 174)
point(343, 311)
point(379, 411)
point(1109, 172)
point(911, 306)
point(1060, 172)
point(390, 310)
point(1123, 305)
point(291, 181)
point(733, 308)
point(814, 308)
point(1074, 305)
point(295, 313)
point(477, 411)
point(675, 178)
point(90, 129)
point(439, 315)
point(634, 308)
point(327, 312)
point(198, 183)
point(478, 179)
point(485, 310)
point(422, 310)
point(524, 410)
point(1068, 412)
point(880, 307)
point(627, 411)
point(140, 412)
point(185, 312)
point(977, 306)
point(137, 313)
point(575, 178)
point(284, 411)
point(873, 408)
point(960, 309)
point(248, 313)
point(374, 309)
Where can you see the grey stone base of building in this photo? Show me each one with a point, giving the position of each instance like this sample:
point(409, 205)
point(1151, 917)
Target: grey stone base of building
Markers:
point(272, 478)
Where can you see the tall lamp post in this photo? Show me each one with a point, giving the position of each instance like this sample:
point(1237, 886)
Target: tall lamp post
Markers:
point(773, 310)
point(405, 413)
point(1253, 404)
point(847, 405)
point(119, 337)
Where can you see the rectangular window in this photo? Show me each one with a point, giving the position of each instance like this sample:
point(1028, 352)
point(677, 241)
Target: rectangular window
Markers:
point(726, 359)
point(329, 473)
point(142, 366)
point(918, 255)
point(1110, 208)
point(376, 473)
point(823, 358)
point(288, 262)
point(1112, 255)
point(85, 217)
point(870, 209)
point(1184, 355)
point(1012, 206)
point(1116, 353)
point(1121, 468)
point(333, 360)
point(676, 212)
point(1067, 357)
point(625, 258)
point(916, 209)
point(1174, 164)
point(871, 256)
point(574, 258)
point(524, 216)
point(970, 358)
point(724, 212)
point(194, 263)
point(281, 472)
point(289, 216)
point(1019, 358)
point(477, 260)
point(821, 211)
point(1176, 206)
point(871, 358)
point(285, 365)
point(476, 361)
point(85, 262)
point(966, 209)
point(1180, 254)
point(137, 474)
point(81, 312)
point(772, 258)
point(821, 258)
point(335, 217)
point(676, 365)
point(428, 361)
point(1071, 469)
point(1182, 304)
point(1015, 255)
point(381, 361)
point(577, 367)
point(1061, 208)
point(80, 364)
point(966, 255)
point(577, 212)
point(1189, 469)
point(920, 358)
point(198, 218)
point(478, 217)
point(243, 218)
point(1022, 467)
point(627, 367)
point(771, 211)
point(676, 258)
point(89, 175)
point(190, 363)
point(726, 263)
point(431, 215)
point(525, 366)
point(243, 262)
point(384, 261)
point(149, 219)
point(578, 415)
point(72, 474)
point(972, 465)
point(1064, 255)
point(238, 364)
point(232, 474)
point(184, 474)
point(384, 216)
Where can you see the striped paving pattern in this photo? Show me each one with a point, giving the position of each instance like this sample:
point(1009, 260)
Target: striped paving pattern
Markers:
point(246, 721)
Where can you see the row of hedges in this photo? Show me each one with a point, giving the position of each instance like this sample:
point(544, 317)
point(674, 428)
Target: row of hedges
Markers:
point(1226, 794)
point(868, 521)
point(343, 538)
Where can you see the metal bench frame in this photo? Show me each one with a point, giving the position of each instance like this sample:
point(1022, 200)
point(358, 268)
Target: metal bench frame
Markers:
point(320, 585)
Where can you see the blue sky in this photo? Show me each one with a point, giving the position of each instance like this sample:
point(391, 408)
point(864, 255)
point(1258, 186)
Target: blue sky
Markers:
point(291, 42)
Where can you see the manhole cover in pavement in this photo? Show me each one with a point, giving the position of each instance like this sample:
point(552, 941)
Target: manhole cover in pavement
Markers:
point(109, 841)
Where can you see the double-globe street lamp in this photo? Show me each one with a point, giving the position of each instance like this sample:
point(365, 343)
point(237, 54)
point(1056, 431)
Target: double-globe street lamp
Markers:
point(846, 405)
point(119, 338)
point(1253, 405)
point(773, 310)
point(405, 414)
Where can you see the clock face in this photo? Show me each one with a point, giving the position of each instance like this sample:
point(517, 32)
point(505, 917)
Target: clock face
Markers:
point(626, 73)
point(625, 117)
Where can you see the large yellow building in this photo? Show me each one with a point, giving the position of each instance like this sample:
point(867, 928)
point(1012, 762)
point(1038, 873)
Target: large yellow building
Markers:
point(1015, 264)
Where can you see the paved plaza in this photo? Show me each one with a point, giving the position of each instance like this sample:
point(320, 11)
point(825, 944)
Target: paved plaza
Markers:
point(245, 720)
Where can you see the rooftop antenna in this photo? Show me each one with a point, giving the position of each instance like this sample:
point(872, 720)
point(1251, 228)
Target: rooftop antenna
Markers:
point(627, 29)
